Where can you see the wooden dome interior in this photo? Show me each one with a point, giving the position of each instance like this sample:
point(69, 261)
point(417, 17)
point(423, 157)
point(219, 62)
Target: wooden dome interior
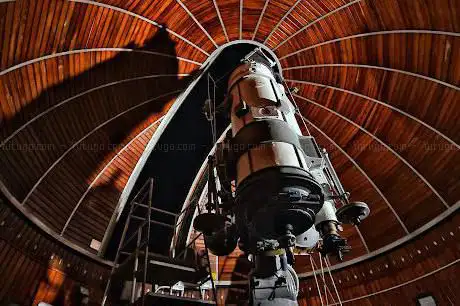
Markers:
point(84, 86)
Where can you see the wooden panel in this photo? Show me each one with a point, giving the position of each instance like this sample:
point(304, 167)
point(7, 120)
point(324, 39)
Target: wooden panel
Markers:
point(230, 11)
point(372, 16)
point(429, 252)
point(390, 87)
point(205, 12)
point(361, 189)
point(415, 143)
point(252, 13)
point(438, 63)
point(66, 25)
point(305, 12)
point(95, 86)
point(392, 174)
point(95, 210)
point(175, 18)
point(35, 268)
point(273, 14)
point(59, 123)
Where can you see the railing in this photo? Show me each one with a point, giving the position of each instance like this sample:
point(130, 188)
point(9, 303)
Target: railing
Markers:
point(141, 236)
point(189, 207)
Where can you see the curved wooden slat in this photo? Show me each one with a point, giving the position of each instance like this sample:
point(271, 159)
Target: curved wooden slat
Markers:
point(107, 165)
point(421, 146)
point(210, 19)
point(124, 11)
point(220, 20)
point(197, 22)
point(430, 32)
point(404, 54)
point(364, 17)
point(318, 19)
point(46, 57)
point(391, 174)
point(275, 28)
point(441, 198)
point(230, 13)
point(77, 26)
point(260, 19)
point(86, 70)
point(452, 142)
point(363, 173)
point(42, 114)
point(106, 190)
point(378, 68)
point(87, 135)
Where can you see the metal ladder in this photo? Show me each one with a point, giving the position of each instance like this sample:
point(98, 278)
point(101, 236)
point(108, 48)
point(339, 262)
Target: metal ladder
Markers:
point(142, 241)
point(142, 235)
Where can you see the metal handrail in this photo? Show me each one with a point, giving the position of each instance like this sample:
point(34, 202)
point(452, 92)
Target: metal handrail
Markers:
point(156, 209)
point(187, 246)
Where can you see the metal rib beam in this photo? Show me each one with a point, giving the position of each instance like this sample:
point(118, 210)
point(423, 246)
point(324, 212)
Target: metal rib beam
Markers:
point(220, 19)
point(115, 8)
point(40, 115)
point(197, 22)
point(363, 173)
point(86, 136)
point(454, 34)
point(316, 21)
point(260, 19)
point(362, 239)
point(103, 170)
point(383, 144)
point(383, 104)
point(416, 75)
point(241, 19)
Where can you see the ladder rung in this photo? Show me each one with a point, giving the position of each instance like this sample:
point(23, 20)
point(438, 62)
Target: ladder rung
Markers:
point(138, 218)
point(153, 222)
point(127, 241)
point(143, 243)
point(156, 209)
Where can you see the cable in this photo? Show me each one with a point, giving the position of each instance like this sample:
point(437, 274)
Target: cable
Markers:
point(326, 290)
point(332, 279)
point(297, 110)
point(212, 108)
point(322, 276)
point(316, 280)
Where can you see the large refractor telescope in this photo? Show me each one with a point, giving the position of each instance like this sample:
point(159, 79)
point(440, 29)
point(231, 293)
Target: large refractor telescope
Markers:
point(270, 189)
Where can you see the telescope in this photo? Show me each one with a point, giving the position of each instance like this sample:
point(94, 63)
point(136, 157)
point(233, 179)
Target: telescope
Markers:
point(270, 188)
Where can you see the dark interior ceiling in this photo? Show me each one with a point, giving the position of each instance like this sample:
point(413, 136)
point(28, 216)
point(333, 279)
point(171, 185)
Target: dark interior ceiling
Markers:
point(84, 85)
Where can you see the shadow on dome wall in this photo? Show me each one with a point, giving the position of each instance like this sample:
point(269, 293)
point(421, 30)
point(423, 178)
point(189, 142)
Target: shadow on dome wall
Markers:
point(86, 115)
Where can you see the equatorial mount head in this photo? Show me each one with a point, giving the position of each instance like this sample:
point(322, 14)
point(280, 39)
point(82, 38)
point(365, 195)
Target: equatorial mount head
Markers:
point(353, 213)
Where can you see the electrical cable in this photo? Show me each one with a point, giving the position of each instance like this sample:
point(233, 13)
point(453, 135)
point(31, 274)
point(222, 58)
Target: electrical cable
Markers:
point(297, 110)
point(332, 279)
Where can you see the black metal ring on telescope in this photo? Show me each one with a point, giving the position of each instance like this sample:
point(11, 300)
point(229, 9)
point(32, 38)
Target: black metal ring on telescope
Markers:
point(260, 132)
